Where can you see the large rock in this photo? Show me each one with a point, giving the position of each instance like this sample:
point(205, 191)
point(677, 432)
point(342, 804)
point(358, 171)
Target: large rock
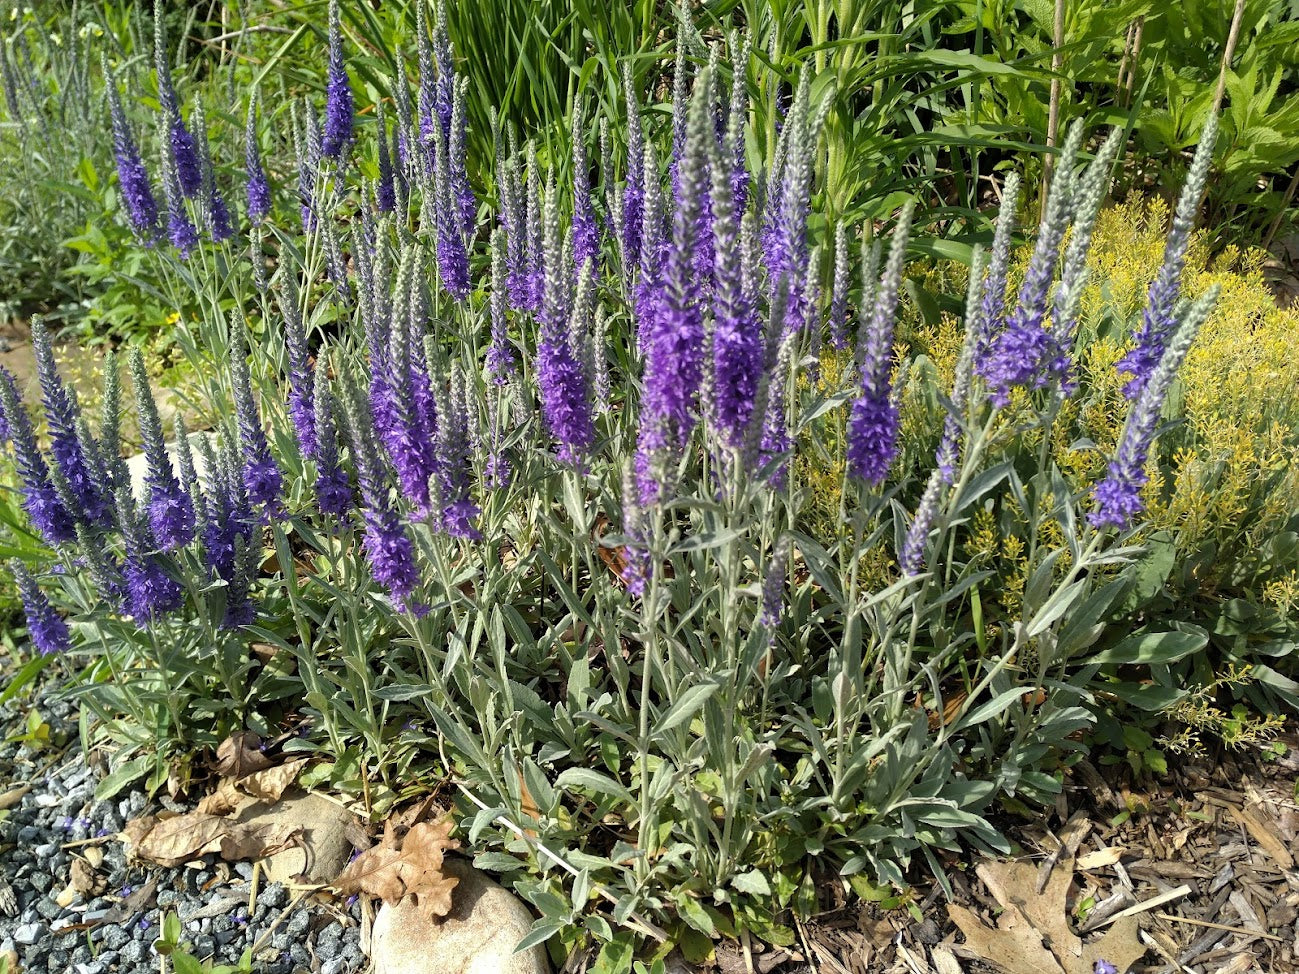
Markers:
point(323, 848)
point(478, 936)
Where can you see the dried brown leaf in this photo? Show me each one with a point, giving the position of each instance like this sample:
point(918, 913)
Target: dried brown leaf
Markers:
point(178, 840)
point(271, 783)
point(223, 801)
point(410, 866)
point(240, 754)
point(1033, 931)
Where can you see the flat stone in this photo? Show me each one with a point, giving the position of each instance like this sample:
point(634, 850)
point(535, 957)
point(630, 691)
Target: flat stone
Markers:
point(324, 848)
point(478, 936)
point(27, 934)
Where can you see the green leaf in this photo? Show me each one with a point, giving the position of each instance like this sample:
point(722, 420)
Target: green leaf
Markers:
point(183, 963)
point(542, 930)
point(1154, 647)
point(752, 882)
point(684, 709)
point(593, 781)
point(125, 774)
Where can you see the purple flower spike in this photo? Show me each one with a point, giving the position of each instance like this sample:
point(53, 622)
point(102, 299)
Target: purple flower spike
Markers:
point(259, 189)
point(1118, 496)
point(181, 151)
point(227, 520)
point(911, 559)
point(454, 467)
point(333, 489)
point(453, 261)
point(181, 231)
point(46, 509)
point(561, 376)
point(339, 106)
point(1021, 354)
point(674, 364)
point(385, 195)
point(500, 356)
point(261, 475)
point(1104, 967)
point(873, 425)
point(150, 590)
point(633, 195)
point(48, 631)
point(388, 546)
point(586, 231)
point(1158, 320)
point(75, 461)
point(168, 506)
point(301, 407)
point(788, 205)
point(738, 341)
point(137, 192)
point(773, 586)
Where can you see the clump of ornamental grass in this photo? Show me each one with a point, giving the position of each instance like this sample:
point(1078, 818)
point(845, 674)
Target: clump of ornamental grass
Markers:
point(518, 490)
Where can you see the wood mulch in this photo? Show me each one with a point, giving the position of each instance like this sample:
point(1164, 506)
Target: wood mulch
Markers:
point(1201, 874)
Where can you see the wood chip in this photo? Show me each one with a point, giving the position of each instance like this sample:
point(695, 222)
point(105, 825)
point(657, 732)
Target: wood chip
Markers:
point(1261, 832)
point(1100, 858)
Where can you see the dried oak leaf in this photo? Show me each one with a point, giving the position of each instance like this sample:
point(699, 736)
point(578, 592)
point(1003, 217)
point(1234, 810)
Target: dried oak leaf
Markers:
point(1033, 935)
point(175, 841)
point(240, 754)
point(410, 866)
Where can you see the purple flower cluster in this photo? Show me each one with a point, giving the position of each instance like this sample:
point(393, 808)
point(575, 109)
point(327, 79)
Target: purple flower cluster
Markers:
point(388, 546)
point(137, 191)
point(259, 188)
point(633, 195)
point(339, 106)
point(1159, 318)
point(168, 505)
point(261, 475)
point(673, 333)
point(44, 504)
point(873, 424)
point(48, 632)
point(77, 471)
point(333, 487)
point(1117, 497)
point(300, 379)
point(562, 378)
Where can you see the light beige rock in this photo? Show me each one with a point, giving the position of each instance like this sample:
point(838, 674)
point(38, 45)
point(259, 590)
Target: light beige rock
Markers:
point(323, 848)
point(486, 922)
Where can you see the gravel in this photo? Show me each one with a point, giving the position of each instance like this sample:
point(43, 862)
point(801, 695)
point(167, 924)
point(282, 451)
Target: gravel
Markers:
point(93, 934)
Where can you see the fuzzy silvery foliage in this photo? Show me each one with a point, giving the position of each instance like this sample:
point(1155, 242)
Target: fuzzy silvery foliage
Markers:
point(539, 501)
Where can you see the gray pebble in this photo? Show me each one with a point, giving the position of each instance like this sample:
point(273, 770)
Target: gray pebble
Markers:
point(274, 896)
point(48, 909)
point(114, 937)
point(132, 952)
point(27, 934)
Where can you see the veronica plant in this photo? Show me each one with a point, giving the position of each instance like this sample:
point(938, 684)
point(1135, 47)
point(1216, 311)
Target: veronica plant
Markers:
point(533, 519)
